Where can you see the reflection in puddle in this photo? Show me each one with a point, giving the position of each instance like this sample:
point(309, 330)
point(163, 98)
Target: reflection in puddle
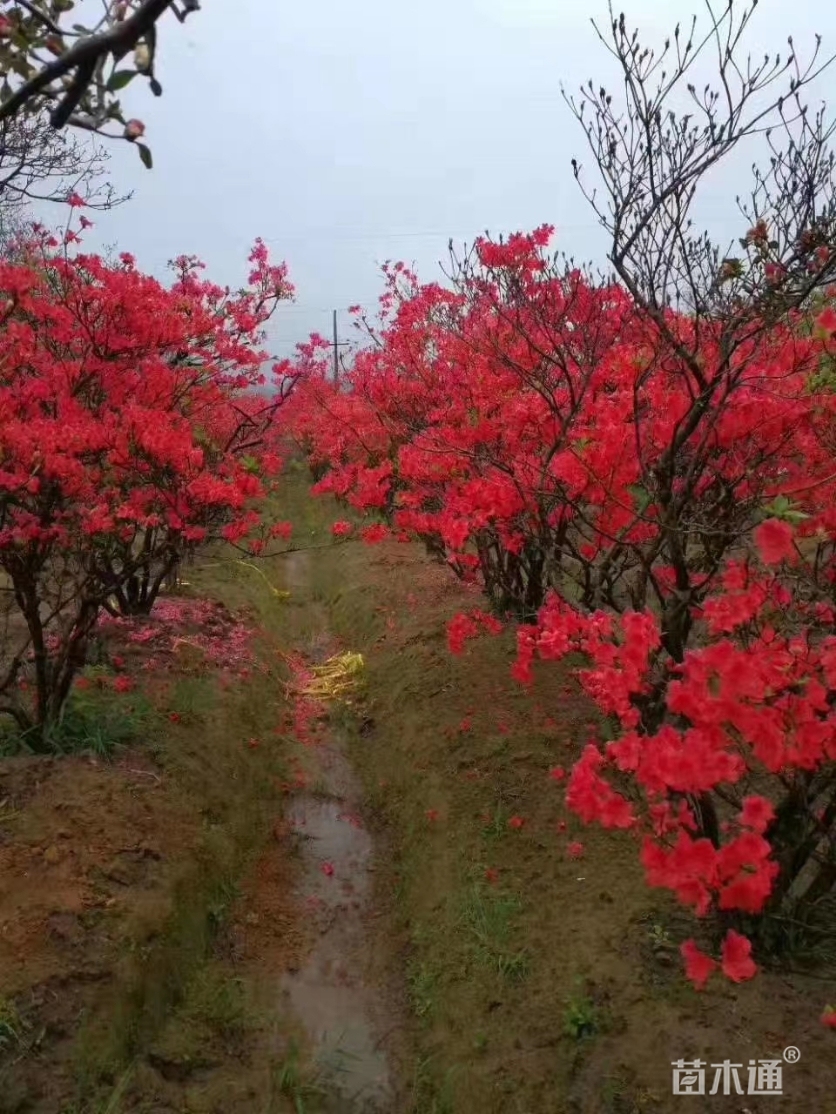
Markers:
point(328, 993)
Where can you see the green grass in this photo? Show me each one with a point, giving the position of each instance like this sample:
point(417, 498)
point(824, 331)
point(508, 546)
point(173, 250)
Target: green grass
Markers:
point(293, 1081)
point(580, 1018)
point(154, 980)
point(11, 1025)
point(212, 1020)
point(422, 984)
point(96, 721)
point(488, 918)
point(167, 992)
point(193, 699)
point(497, 826)
point(432, 1088)
point(217, 1002)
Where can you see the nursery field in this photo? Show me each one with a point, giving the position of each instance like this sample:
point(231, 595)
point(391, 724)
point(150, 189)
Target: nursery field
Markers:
point(159, 897)
point(441, 720)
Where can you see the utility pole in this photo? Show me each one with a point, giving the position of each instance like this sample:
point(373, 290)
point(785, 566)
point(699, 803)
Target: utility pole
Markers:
point(337, 345)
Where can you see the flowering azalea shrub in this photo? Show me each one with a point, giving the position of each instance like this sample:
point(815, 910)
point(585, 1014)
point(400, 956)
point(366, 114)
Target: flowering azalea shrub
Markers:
point(424, 430)
point(536, 433)
point(129, 433)
point(578, 476)
point(724, 764)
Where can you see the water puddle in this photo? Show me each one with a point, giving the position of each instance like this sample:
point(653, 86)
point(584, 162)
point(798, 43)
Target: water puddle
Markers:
point(329, 994)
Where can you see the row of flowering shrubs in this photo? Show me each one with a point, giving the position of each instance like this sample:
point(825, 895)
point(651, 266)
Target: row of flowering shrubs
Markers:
point(130, 433)
point(632, 487)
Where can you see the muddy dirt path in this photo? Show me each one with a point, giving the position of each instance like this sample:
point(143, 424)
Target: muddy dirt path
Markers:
point(345, 1018)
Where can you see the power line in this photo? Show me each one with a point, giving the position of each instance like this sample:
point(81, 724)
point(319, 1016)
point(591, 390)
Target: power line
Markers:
point(333, 235)
point(356, 300)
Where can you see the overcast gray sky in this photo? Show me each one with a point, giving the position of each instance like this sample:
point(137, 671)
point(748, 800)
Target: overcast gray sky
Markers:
point(346, 134)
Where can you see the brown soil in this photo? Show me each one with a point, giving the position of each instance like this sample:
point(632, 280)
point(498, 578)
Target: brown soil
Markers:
point(83, 868)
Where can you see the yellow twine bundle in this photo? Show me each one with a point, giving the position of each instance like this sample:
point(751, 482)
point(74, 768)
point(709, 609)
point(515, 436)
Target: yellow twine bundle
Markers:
point(336, 678)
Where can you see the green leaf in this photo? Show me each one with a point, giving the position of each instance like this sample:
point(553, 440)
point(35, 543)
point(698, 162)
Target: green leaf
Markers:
point(145, 155)
point(782, 508)
point(119, 79)
point(641, 497)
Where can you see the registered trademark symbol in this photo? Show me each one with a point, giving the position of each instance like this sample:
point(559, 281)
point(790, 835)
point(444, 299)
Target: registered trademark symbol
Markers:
point(791, 1054)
